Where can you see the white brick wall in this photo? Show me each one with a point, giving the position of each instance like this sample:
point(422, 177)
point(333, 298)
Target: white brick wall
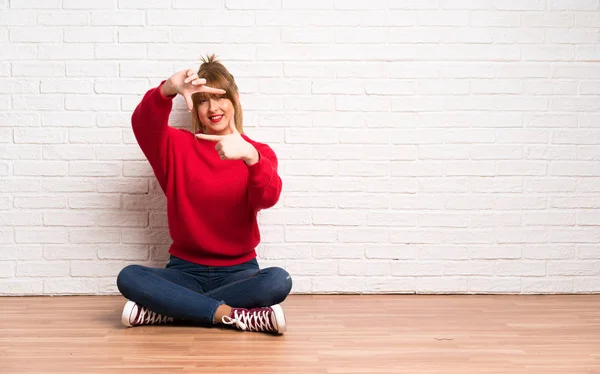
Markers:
point(426, 146)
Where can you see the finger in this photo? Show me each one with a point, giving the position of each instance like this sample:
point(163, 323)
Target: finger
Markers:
point(234, 129)
point(211, 90)
point(189, 102)
point(189, 72)
point(212, 138)
point(190, 78)
point(199, 81)
point(219, 147)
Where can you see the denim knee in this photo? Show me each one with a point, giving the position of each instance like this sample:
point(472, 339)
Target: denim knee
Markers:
point(126, 275)
point(280, 284)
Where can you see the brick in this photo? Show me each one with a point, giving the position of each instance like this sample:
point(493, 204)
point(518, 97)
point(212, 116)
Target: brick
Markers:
point(304, 234)
point(407, 236)
point(66, 86)
point(363, 201)
point(7, 235)
point(7, 269)
point(587, 19)
point(94, 136)
point(586, 285)
point(67, 119)
point(120, 51)
point(69, 152)
point(392, 285)
point(63, 18)
point(137, 169)
point(69, 252)
point(98, 235)
point(16, 184)
point(125, 185)
point(494, 285)
point(547, 285)
point(147, 4)
point(363, 235)
point(94, 169)
point(158, 219)
point(329, 284)
point(40, 236)
point(97, 268)
point(36, 35)
point(363, 268)
point(495, 219)
point(11, 286)
point(441, 285)
point(68, 286)
point(588, 251)
point(69, 218)
point(25, 51)
point(24, 86)
point(123, 252)
point(123, 219)
point(21, 252)
point(95, 103)
point(20, 152)
point(88, 4)
point(338, 218)
point(573, 268)
point(17, 17)
point(79, 51)
point(333, 251)
point(313, 268)
point(40, 168)
point(42, 269)
point(285, 251)
point(40, 102)
point(94, 201)
point(20, 218)
point(92, 69)
point(302, 17)
point(146, 236)
point(574, 235)
point(69, 185)
point(550, 252)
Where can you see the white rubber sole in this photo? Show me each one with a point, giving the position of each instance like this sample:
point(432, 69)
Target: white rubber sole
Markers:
point(279, 318)
point(127, 310)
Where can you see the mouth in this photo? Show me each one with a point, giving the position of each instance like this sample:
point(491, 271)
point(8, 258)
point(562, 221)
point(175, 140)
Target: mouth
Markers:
point(216, 119)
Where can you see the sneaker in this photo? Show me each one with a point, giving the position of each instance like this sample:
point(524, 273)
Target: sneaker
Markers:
point(269, 319)
point(134, 315)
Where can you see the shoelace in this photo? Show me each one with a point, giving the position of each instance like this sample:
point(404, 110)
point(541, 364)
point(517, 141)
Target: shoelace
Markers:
point(250, 321)
point(148, 317)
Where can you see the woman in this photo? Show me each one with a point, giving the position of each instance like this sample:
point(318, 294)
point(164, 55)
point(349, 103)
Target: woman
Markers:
point(216, 179)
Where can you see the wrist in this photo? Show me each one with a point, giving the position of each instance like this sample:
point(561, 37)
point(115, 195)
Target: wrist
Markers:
point(167, 90)
point(252, 156)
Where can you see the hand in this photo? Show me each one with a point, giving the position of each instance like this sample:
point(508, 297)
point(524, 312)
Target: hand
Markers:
point(186, 83)
point(232, 146)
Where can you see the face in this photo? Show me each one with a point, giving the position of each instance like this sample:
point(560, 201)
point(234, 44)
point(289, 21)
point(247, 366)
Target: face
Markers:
point(215, 113)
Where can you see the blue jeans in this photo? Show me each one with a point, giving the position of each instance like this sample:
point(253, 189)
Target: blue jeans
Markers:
point(191, 292)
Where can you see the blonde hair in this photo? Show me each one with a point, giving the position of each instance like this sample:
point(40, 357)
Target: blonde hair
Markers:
point(217, 76)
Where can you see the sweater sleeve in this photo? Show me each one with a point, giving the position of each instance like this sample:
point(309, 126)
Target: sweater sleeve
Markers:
point(150, 127)
point(264, 184)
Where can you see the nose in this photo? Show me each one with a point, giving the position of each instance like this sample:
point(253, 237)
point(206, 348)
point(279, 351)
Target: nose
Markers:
point(212, 104)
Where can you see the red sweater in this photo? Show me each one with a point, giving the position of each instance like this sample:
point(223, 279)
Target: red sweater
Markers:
point(212, 204)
